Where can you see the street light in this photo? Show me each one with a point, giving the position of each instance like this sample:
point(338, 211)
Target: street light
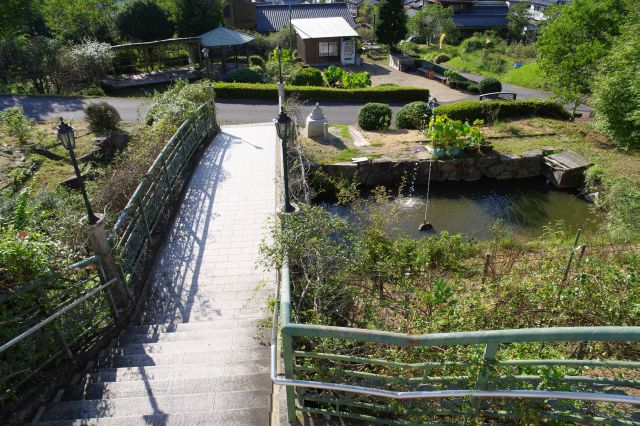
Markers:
point(285, 129)
point(279, 55)
point(67, 138)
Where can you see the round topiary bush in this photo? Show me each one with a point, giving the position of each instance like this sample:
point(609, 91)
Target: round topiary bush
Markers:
point(442, 57)
point(306, 77)
point(490, 85)
point(473, 88)
point(101, 116)
point(413, 115)
point(471, 44)
point(244, 76)
point(374, 116)
point(256, 61)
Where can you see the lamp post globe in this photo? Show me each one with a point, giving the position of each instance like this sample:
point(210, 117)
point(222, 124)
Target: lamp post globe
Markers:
point(67, 137)
point(284, 125)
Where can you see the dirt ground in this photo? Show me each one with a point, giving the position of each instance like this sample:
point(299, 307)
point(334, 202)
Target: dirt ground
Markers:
point(382, 73)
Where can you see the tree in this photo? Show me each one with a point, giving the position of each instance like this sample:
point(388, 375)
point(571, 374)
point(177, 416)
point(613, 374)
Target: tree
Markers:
point(391, 24)
point(518, 19)
point(196, 17)
point(79, 19)
point(573, 41)
point(432, 21)
point(616, 88)
point(143, 20)
point(21, 16)
point(42, 65)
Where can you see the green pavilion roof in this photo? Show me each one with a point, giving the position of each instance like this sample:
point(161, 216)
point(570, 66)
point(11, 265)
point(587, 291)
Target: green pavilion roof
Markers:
point(222, 36)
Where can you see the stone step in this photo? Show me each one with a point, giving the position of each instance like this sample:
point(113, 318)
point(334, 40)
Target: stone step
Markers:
point(213, 345)
point(221, 334)
point(180, 385)
point(221, 357)
point(179, 327)
point(250, 417)
point(229, 368)
point(158, 405)
point(152, 316)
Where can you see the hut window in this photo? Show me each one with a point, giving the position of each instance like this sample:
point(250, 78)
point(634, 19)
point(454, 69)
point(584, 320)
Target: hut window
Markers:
point(328, 48)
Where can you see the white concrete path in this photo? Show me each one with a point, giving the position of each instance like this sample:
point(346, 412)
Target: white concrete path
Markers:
point(195, 357)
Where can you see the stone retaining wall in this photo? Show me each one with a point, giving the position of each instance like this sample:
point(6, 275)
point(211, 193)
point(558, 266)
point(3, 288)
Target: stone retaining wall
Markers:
point(386, 172)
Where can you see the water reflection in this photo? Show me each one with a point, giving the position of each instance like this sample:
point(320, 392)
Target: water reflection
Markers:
point(524, 206)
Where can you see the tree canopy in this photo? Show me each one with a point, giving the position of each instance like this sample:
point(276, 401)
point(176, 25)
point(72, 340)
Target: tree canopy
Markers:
point(518, 18)
point(432, 21)
point(196, 17)
point(79, 19)
point(573, 41)
point(143, 20)
point(391, 24)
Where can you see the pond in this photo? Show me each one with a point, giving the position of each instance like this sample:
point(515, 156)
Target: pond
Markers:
point(524, 206)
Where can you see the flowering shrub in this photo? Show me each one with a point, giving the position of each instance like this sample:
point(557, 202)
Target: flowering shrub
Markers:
point(87, 62)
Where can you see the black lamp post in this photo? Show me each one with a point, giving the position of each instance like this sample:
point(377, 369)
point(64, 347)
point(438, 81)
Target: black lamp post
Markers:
point(67, 138)
point(285, 129)
point(279, 55)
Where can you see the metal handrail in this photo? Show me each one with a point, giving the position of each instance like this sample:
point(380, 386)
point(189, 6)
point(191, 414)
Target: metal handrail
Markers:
point(54, 316)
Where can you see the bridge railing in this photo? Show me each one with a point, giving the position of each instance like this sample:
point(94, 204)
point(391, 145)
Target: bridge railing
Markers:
point(46, 321)
point(136, 229)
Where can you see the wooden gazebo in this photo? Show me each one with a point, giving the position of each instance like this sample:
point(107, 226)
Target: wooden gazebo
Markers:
point(222, 37)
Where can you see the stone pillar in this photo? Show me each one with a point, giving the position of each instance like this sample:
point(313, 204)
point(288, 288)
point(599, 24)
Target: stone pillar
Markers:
point(102, 248)
point(315, 123)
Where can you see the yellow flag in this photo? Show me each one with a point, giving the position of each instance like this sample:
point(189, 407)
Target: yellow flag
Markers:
point(442, 39)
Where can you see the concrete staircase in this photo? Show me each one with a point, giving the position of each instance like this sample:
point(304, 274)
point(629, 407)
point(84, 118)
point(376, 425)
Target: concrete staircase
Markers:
point(196, 357)
point(193, 373)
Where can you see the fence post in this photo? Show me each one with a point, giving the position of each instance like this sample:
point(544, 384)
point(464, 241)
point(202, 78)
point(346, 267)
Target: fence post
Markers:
point(287, 352)
point(482, 382)
point(487, 263)
point(102, 249)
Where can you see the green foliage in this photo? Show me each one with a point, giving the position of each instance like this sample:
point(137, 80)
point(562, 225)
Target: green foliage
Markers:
point(40, 64)
point(257, 60)
point(356, 80)
point(490, 111)
point(142, 20)
point(574, 39)
point(16, 124)
point(616, 88)
point(18, 16)
point(471, 44)
point(489, 85)
point(432, 21)
point(244, 76)
point(273, 70)
point(447, 134)
point(101, 116)
point(414, 115)
point(473, 88)
point(87, 62)
point(391, 24)
point(91, 91)
point(306, 77)
point(77, 20)
point(323, 94)
point(24, 256)
point(286, 55)
point(333, 75)
point(196, 17)
point(518, 19)
point(442, 57)
point(366, 34)
point(174, 106)
point(374, 116)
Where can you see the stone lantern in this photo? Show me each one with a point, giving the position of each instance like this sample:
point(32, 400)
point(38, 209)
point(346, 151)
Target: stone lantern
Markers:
point(316, 123)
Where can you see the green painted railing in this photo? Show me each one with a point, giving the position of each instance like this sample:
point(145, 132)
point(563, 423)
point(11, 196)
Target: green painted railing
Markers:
point(48, 320)
point(521, 376)
point(136, 228)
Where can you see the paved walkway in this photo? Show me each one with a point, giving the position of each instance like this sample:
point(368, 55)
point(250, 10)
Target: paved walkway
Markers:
point(195, 357)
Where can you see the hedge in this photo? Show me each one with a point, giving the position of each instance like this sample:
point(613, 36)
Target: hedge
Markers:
point(492, 110)
point(225, 90)
point(374, 116)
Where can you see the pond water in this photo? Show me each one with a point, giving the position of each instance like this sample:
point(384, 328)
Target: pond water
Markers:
point(524, 206)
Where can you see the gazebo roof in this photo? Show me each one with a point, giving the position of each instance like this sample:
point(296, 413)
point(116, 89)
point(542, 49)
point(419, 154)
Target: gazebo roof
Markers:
point(222, 36)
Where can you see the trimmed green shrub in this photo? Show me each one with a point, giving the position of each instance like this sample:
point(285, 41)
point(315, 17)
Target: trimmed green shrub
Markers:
point(414, 115)
point(306, 77)
point(101, 116)
point(257, 61)
point(226, 90)
point(473, 88)
point(490, 111)
point(489, 85)
point(244, 76)
point(442, 57)
point(374, 116)
point(471, 44)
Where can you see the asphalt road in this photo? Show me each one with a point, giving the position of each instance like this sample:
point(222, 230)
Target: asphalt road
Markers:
point(44, 108)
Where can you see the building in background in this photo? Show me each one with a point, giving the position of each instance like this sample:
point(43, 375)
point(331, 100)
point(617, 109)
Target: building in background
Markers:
point(325, 41)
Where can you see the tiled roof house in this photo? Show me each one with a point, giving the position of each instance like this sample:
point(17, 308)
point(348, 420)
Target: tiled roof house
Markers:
point(270, 18)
